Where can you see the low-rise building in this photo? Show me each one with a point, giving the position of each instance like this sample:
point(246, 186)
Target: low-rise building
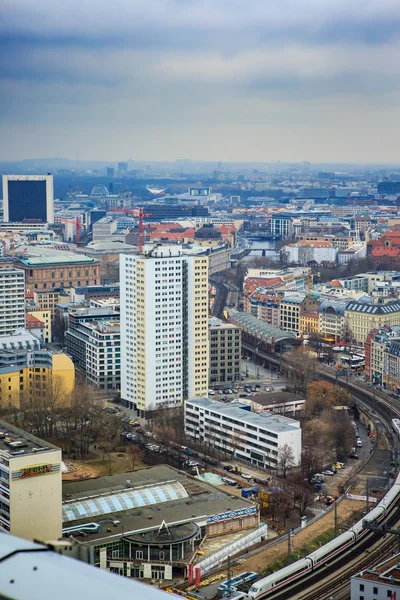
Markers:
point(381, 581)
point(289, 313)
point(225, 352)
point(306, 252)
point(149, 524)
point(233, 429)
point(35, 326)
point(362, 317)
point(30, 485)
point(283, 403)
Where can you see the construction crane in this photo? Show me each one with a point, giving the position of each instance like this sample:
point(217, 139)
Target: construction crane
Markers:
point(77, 224)
point(137, 213)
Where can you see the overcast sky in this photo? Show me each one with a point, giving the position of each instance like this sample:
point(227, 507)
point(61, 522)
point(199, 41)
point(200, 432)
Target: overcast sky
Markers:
point(286, 80)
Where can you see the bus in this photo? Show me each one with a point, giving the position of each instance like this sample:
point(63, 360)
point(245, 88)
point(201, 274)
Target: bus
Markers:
point(354, 363)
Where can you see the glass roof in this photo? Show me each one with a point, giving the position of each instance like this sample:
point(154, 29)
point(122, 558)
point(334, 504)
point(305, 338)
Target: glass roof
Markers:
point(124, 500)
point(259, 328)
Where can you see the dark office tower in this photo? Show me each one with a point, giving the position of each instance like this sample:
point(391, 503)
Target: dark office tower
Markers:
point(96, 215)
point(122, 166)
point(110, 172)
point(28, 197)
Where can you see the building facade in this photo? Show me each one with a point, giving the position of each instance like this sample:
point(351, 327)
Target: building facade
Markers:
point(28, 197)
point(225, 352)
point(233, 430)
point(289, 313)
point(309, 323)
point(164, 328)
point(380, 582)
point(12, 300)
point(44, 273)
point(30, 486)
point(332, 320)
point(361, 317)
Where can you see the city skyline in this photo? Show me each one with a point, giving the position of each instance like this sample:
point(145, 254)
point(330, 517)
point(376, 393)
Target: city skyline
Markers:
point(261, 82)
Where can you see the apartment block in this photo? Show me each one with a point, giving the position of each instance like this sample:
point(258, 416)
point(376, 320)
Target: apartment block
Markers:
point(225, 352)
point(362, 317)
point(234, 430)
point(164, 328)
point(12, 300)
point(289, 313)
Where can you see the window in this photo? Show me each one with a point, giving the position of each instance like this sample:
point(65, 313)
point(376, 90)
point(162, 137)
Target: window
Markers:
point(389, 593)
point(139, 554)
point(115, 554)
point(361, 587)
point(375, 591)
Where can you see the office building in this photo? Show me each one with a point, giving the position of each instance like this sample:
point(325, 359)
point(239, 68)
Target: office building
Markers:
point(380, 582)
point(281, 227)
point(225, 352)
point(28, 198)
point(233, 429)
point(289, 313)
point(164, 327)
point(12, 300)
point(96, 348)
point(362, 317)
point(95, 215)
point(332, 320)
point(30, 486)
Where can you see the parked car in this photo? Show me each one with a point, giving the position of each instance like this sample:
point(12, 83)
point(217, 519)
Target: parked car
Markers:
point(353, 455)
point(192, 463)
point(246, 475)
point(133, 423)
point(211, 393)
point(260, 481)
point(228, 468)
point(328, 472)
point(359, 443)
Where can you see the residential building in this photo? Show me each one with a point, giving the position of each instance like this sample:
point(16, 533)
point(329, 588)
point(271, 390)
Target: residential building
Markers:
point(381, 581)
point(291, 279)
point(63, 270)
point(289, 313)
point(43, 316)
point(35, 326)
point(362, 317)
point(185, 513)
point(254, 438)
point(30, 485)
point(308, 323)
point(164, 327)
point(332, 320)
point(46, 301)
point(376, 348)
point(225, 352)
point(95, 348)
point(28, 198)
point(12, 300)
point(391, 366)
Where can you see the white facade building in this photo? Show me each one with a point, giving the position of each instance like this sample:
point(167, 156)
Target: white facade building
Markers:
point(12, 300)
point(381, 582)
point(164, 328)
point(304, 253)
point(255, 438)
point(29, 197)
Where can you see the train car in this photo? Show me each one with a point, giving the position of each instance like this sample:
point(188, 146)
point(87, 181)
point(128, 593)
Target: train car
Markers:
point(280, 579)
point(396, 427)
point(332, 549)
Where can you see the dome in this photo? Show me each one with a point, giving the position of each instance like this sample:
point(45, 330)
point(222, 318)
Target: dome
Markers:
point(99, 190)
point(207, 232)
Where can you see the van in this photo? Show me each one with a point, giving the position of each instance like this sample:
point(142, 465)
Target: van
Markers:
point(359, 443)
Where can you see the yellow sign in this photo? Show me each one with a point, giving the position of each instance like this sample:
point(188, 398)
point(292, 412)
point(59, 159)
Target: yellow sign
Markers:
point(34, 470)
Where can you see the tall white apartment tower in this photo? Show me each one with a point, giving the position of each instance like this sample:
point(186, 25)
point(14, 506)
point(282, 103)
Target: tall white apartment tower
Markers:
point(164, 328)
point(12, 300)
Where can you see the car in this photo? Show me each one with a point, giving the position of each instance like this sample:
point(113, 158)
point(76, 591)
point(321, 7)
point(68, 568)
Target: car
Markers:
point(227, 468)
point(230, 391)
point(246, 475)
point(359, 443)
point(353, 455)
point(192, 463)
point(220, 392)
point(130, 436)
point(243, 395)
point(224, 398)
point(260, 481)
point(134, 423)
point(328, 472)
point(211, 393)
point(341, 465)
point(257, 386)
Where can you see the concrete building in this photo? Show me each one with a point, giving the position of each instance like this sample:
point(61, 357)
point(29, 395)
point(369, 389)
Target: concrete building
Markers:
point(160, 515)
point(95, 347)
point(254, 438)
point(28, 198)
point(164, 328)
point(362, 317)
point(225, 352)
point(289, 313)
point(30, 485)
point(104, 229)
point(12, 300)
point(305, 252)
point(380, 582)
point(281, 227)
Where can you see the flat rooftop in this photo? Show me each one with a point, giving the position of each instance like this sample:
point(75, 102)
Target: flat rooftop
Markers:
point(387, 572)
point(267, 398)
point(274, 423)
point(153, 495)
point(57, 258)
point(16, 442)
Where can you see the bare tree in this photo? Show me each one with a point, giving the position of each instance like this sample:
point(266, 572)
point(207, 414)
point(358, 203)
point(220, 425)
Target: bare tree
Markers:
point(286, 459)
point(109, 434)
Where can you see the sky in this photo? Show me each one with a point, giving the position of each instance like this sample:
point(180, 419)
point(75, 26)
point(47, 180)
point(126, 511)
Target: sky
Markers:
point(229, 80)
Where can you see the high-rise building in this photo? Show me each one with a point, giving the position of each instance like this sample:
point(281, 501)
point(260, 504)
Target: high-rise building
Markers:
point(30, 485)
point(28, 197)
point(12, 300)
point(123, 166)
point(225, 352)
point(164, 328)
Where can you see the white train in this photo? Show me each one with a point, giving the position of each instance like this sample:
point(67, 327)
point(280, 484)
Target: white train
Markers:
point(396, 427)
point(277, 581)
